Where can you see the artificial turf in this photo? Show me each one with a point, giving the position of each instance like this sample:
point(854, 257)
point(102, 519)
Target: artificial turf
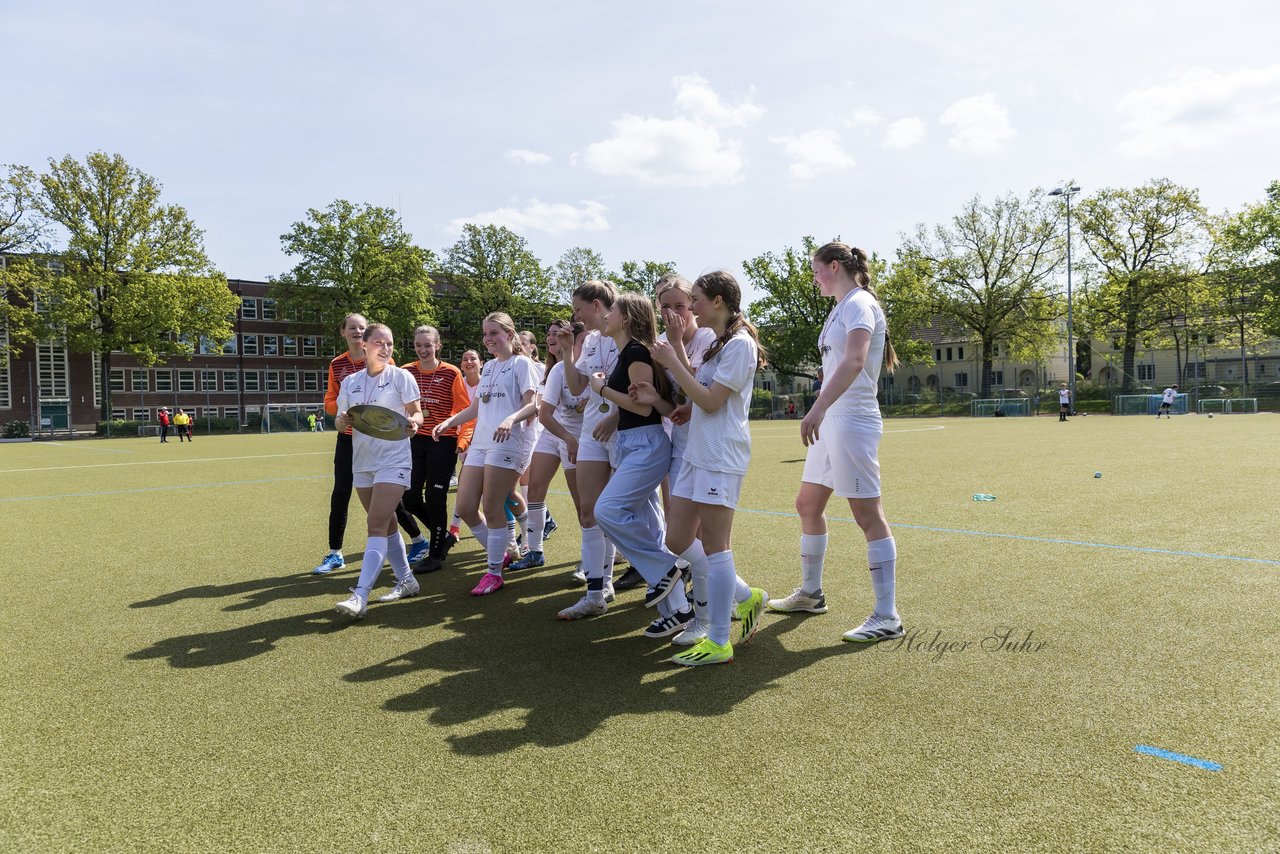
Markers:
point(176, 680)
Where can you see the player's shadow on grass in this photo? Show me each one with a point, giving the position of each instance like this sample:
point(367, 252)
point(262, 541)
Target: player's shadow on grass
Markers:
point(571, 678)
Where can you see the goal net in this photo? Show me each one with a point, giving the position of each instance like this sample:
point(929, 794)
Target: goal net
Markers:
point(1147, 404)
point(999, 406)
point(1242, 404)
point(1211, 404)
point(290, 417)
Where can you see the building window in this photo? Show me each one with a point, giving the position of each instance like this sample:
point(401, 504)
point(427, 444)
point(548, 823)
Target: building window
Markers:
point(270, 345)
point(231, 412)
point(290, 345)
point(51, 369)
point(208, 380)
point(1196, 370)
point(960, 353)
point(995, 349)
point(948, 354)
point(937, 355)
point(164, 380)
point(117, 379)
point(273, 380)
point(249, 308)
point(962, 379)
point(310, 381)
point(290, 380)
point(186, 380)
point(1146, 373)
point(268, 309)
point(141, 414)
point(229, 346)
point(309, 345)
point(997, 378)
point(6, 401)
point(139, 380)
point(251, 345)
point(230, 381)
point(252, 381)
point(119, 414)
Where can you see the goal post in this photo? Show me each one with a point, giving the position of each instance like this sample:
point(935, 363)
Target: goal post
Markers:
point(993, 407)
point(289, 417)
point(1242, 405)
point(1212, 404)
point(1146, 404)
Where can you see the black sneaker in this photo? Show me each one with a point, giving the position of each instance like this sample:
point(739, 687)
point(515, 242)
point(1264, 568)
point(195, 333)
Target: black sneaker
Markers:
point(430, 564)
point(663, 588)
point(450, 540)
point(667, 626)
point(549, 527)
point(629, 580)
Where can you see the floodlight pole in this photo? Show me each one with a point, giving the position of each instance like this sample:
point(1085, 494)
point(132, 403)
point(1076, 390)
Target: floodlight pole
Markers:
point(1068, 191)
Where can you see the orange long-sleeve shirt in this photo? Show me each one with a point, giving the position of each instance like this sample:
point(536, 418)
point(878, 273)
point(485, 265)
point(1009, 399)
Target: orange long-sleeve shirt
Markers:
point(443, 393)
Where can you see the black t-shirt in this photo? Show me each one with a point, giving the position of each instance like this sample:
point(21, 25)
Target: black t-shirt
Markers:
point(620, 380)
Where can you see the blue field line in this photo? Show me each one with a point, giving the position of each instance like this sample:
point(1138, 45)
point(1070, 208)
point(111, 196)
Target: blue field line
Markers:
point(1177, 757)
point(161, 488)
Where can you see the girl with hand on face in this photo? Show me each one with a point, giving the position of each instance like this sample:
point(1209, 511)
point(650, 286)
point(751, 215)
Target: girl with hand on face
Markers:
point(560, 412)
point(470, 366)
point(381, 468)
point(842, 432)
point(705, 492)
point(498, 446)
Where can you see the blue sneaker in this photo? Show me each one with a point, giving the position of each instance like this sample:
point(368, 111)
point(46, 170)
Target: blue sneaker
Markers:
point(329, 564)
point(529, 561)
point(417, 551)
point(549, 527)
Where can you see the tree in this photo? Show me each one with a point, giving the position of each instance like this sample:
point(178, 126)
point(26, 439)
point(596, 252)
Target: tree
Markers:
point(490, 268)
point(1250, 240)
point(791, 312)
point(22, 229)
point(134, 277)
point(354, 259)
point(641, 276)
point(988, 270)
point(1143, 242)
point(576, 266)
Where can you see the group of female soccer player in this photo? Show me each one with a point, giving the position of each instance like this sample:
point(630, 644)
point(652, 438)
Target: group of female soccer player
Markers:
point(630, 414)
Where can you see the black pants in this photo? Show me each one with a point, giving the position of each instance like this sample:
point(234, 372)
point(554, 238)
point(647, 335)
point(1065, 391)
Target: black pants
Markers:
point(340, 499)
point(428, 496)
point(164, 432)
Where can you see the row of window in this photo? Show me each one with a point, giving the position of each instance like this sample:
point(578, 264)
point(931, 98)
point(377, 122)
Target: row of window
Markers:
point(958, 353)
point(164, 380)
point(270, 345)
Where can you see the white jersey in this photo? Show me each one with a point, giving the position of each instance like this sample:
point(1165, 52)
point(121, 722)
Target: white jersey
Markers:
point(1064, 396)
point(472, 390)
point(599, 354)
point(568, 406)
point(703, 338)
point(1169, 395)
point(503, 384)
point(721, 441)
point(858, 310)
point(393, 388)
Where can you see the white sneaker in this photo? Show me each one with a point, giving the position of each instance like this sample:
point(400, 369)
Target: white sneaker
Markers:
point(579, 575)
point(354, 606)
point(875, 629)
point(608, 592)
point(693, 633)
point(513, 550)
point(402, 590)
point(585, 607)
point(799, 600)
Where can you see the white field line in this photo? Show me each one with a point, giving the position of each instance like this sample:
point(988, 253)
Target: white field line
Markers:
point(169, 462)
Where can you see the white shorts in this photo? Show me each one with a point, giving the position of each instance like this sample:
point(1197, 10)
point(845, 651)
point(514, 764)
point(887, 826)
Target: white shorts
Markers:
point(554, 446)
point(503, 458)
point(707, 487)
point(592, 451)
point(366, 479)
point(845, 461)
point(532, 438)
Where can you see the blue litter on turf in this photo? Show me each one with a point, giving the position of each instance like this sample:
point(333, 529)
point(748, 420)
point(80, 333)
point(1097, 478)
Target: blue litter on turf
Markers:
point(1177, 757)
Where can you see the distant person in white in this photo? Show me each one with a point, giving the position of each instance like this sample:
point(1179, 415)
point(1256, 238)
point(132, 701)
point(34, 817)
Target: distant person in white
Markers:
point(1167, 401)
point(842, 431)
point(1064, 402)
point(380, 467)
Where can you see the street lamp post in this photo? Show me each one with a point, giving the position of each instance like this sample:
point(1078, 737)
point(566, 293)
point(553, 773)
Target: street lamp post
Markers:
point(1067, 192)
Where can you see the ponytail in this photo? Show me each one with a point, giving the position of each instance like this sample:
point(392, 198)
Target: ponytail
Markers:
point(722, 284)
point(854, 262)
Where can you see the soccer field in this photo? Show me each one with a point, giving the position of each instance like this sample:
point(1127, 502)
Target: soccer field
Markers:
point(1091, 663)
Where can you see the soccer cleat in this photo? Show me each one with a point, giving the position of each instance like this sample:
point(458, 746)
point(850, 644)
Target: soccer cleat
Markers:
point(513, 552)
point(608, 592)
point(354, 606)
point(530, 561)
point(431, 564)
point(706, 652)
point(693, 633)
point(402, 590)
point(584, 607)
point(800, 600)
point(579, 575)
point(875, 629)
point(450, 540)
point(453, 480)
point(549, 527)
point(417, 551)
point(663, 588)
point(629, 579)
point(329, 564)
point(667, 626)
point(489, 583)
point(749, 612)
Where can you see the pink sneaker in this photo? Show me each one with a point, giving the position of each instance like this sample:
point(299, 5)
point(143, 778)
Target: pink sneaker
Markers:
point(489, 583)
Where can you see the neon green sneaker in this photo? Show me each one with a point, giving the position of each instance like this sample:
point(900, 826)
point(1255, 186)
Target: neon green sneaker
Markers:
point(706, 652)
point(749, 612)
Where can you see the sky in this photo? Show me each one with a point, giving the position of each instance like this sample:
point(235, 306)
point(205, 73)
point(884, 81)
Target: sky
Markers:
point(703, 132)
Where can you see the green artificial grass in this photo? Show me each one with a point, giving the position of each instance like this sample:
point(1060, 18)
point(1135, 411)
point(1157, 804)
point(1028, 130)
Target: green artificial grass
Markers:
point(176, 680)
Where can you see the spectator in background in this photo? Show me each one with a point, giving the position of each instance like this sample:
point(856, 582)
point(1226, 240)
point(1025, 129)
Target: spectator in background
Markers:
point(311, 421)
point(181, 424)
point(163, 417)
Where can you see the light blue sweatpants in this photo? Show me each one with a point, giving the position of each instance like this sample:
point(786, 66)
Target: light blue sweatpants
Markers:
point(629, 511)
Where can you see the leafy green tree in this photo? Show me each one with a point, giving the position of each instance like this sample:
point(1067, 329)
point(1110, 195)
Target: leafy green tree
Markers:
point(24, 232)
point(576, 266)
point(1143, 243)
point(641, 276)
point(133, 277)
point(22, 229)
point(989, 270)
point(1249, 242)
point(354, 258)
point(490, 268)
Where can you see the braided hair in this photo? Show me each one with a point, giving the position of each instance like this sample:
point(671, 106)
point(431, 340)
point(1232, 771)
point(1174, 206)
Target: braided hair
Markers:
point(854, 262)
point(721, 283)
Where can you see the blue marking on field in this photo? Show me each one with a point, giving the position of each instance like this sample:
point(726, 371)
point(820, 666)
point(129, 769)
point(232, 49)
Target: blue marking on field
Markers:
point(161, 488)
point(1178, 757)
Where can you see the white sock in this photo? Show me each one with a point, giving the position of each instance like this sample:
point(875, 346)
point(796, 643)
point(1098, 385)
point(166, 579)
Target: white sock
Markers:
point(682, 564)
point(337, 552)
point(593, 546)
point(537, 521)
point(610, 552)
point(375, 551)
point(741, 589)
point(511, 532)
point(398, 557)
point(813, 549)
point(720, 576)
point(697, 560)
point(676, 600)
point(882, 555)
point(418, 539)
point(497, 549)
point(456, 522)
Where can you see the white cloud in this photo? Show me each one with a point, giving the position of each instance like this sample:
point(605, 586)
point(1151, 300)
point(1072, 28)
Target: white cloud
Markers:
point(554, 219)
point(1198, 109)
point(904, 133)
point(696, 100)
point(814, 153)
point(667, 152)
point(865, 118)
point(527, 157)
point(978, 125)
